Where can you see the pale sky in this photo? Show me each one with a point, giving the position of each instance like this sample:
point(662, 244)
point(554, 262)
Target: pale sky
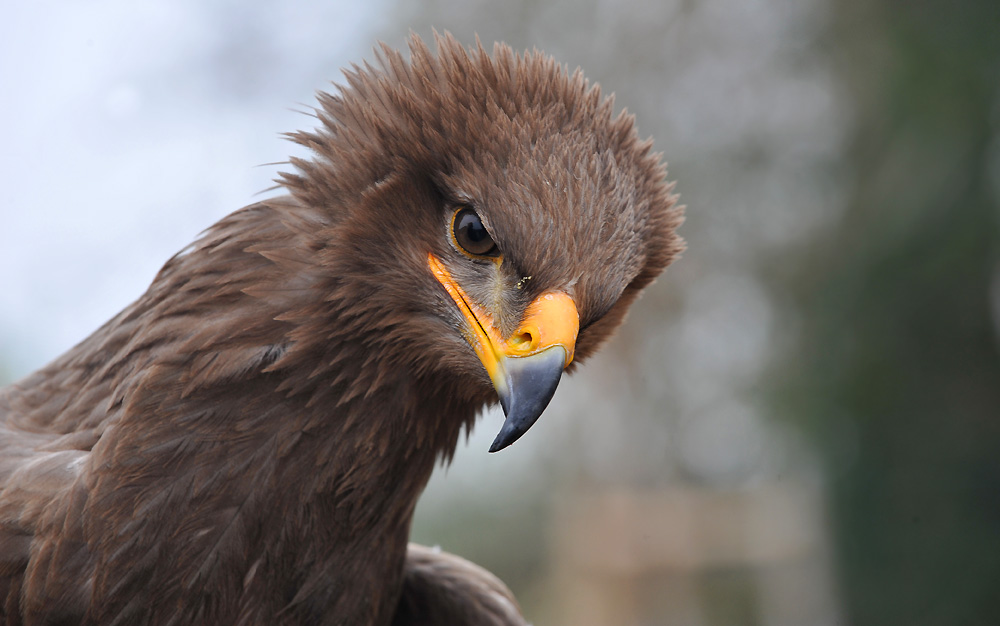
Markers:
point(127, 128)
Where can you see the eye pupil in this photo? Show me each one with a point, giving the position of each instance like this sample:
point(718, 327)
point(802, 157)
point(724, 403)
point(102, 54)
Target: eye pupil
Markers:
point(473, 231)
point(471, 235)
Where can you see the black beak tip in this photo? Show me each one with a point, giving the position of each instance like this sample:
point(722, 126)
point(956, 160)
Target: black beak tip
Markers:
point(507, 435)
point(499, 444)
point(531, 383)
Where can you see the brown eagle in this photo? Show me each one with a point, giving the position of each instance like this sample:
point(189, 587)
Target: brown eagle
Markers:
point(245, 443)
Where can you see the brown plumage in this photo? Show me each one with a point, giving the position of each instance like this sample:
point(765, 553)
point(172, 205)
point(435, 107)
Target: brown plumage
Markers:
point(245, 443)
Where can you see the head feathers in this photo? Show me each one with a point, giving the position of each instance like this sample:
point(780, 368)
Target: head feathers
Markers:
point(565, 185)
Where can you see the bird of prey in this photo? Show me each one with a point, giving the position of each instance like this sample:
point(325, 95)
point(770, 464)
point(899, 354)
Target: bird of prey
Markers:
point(246, 442)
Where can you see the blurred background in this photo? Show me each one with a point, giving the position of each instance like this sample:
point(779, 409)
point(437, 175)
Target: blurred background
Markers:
point(799, 423)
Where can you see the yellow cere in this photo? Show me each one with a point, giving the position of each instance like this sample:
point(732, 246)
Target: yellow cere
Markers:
point(550, 320)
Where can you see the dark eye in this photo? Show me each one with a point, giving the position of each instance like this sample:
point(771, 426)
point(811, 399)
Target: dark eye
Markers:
point(470, 234)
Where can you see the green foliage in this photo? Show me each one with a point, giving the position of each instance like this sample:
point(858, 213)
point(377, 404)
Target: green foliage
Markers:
point(899, 375)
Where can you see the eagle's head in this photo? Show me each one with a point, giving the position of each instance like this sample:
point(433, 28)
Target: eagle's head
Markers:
point(491, 216)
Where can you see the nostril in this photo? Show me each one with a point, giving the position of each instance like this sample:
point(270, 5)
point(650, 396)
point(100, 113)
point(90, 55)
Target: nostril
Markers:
point(523, 341)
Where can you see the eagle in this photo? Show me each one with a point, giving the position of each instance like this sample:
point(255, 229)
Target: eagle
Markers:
point(245, 443)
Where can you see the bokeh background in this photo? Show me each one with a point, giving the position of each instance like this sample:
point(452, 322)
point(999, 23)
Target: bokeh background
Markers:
point(800, 422)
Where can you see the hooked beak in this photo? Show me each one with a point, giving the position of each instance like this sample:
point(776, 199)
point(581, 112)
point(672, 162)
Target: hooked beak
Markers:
point(525, 368)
